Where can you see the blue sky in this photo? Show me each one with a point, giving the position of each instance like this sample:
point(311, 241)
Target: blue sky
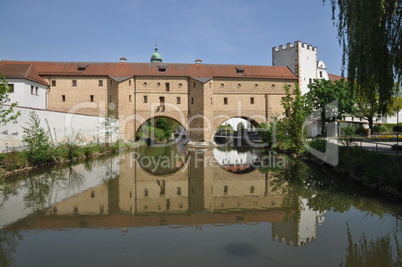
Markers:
point(216, 31)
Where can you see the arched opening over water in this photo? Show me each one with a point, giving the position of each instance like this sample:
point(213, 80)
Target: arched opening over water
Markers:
point(162, 130)
point(237, 131)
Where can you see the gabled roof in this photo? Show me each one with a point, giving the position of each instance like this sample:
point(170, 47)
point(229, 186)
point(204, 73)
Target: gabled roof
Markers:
point(151, 69)
point(21, 71)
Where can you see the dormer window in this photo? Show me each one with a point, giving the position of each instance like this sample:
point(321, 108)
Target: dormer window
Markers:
point(239, 69)
point(82, 67)
point(162, 68)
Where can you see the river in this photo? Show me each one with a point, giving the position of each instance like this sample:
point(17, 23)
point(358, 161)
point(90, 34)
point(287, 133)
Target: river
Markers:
point(170, 206)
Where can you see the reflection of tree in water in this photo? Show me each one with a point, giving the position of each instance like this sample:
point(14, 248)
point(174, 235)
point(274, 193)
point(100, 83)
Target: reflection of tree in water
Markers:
point(8, 244)
point(378, 252)
point(322, 190)
point(39, 187)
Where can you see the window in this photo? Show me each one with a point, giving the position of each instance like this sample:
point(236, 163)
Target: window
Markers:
point(53, 82)
point(129, 98)
point(32, 90)
point(178, 191)
point(11, 88)
point(63, 98)
point(91, 97)
point(178, 100)
point(74, 82)
point(145, 99)
point(252, 100)
point(162, 101)
point(240, 70)
point(110, 98)
point(320, 74)
point(100, 83)
point(225, 189)
point(162, 68)
point(36, 91)
point(225, 100)
point(145, 192)
point(310, 81)
point(129, 82)
point(167, 87)
point(192, 100)
point(252, 189)
point(194, 84)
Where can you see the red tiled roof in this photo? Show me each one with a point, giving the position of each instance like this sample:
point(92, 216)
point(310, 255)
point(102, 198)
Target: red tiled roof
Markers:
point(334, 77)
point(151, 69)
point(20, 70)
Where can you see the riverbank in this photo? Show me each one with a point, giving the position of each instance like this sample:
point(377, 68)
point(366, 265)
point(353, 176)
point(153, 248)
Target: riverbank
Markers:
point(374, 170)
point(16, 162)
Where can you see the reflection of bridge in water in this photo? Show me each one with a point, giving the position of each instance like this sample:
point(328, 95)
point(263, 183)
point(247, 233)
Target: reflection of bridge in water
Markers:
point(195, 194)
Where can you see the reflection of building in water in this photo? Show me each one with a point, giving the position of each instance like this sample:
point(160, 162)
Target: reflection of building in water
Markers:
point(196, 194)
point(237, 162)
point(299, 230)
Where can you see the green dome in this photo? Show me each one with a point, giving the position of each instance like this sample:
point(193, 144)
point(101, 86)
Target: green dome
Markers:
point(156, 57)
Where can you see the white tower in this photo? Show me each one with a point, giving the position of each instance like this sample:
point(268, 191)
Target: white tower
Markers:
point(301, 59)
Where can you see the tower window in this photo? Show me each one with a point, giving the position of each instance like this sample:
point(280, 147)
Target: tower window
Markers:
point(320, 74)
point(100, 82)
point(178, 100)
point(225, 100)
point(74, 82)
point(167, 87)
point(192, 100)
point(63, 98)
point(252, 100)
point(32, 90)
point(53, 82)
point(91, 98)
point(129, 98)
point(145, 99)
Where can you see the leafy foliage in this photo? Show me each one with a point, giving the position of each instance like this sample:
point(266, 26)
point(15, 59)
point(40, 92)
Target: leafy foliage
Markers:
point(39, 149)
point(290, 132)
point(329, 100)
point(6, 108)
point(370, 33)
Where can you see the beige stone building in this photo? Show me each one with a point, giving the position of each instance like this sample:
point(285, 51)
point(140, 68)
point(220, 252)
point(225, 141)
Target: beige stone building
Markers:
point(199, 96)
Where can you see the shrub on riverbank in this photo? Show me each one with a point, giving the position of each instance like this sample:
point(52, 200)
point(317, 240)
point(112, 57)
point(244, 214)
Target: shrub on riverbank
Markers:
point(373, 168)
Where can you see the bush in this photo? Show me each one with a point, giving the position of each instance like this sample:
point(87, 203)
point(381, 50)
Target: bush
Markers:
point(319, 144)
point(39, 150)
point(362, 131)
point(348, 131)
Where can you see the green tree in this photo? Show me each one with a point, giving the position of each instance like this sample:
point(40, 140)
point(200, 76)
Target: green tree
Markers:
point(6, 108)
point(370, 33)
point(290, 129)
point(329, 100)
point(368, 106)
point(39, 149)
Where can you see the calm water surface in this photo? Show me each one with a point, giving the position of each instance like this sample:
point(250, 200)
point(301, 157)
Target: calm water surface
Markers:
point(168, 206)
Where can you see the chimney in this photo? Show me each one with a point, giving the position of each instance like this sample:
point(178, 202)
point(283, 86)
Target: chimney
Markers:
point(123, 60)
point(198, 61)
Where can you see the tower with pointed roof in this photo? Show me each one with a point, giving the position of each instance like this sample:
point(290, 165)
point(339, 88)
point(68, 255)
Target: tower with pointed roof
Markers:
point(156, 57)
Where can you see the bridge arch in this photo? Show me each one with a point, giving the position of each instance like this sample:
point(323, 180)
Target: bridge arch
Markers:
point(181, 133)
